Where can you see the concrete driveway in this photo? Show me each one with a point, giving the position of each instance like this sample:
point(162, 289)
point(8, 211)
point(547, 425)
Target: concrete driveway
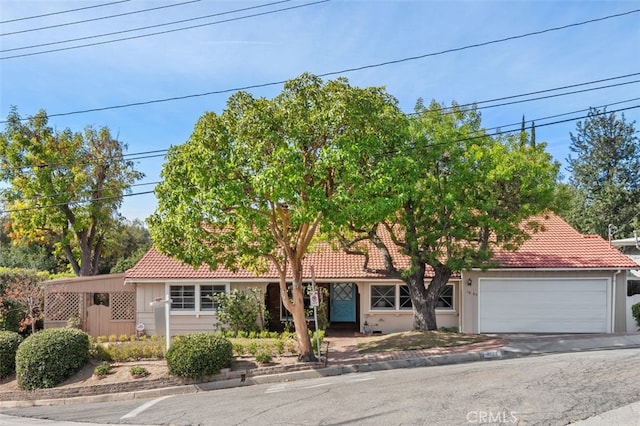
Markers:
point(532, 344)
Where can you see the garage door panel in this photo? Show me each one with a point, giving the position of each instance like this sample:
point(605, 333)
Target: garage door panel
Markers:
point(533, 305)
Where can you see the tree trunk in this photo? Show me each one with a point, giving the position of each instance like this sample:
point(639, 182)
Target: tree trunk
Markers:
point(425, 300)
point(305, 350)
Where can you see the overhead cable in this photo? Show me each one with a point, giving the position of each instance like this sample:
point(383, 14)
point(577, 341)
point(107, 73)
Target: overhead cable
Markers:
point(84, 21)
point(468, 139)
point(270, 12)
point(63, 11)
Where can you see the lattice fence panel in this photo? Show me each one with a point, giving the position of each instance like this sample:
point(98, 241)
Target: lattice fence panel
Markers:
point(62, 306)
point(123, 306)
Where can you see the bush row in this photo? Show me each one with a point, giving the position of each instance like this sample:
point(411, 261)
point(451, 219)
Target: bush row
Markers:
point(48, 357)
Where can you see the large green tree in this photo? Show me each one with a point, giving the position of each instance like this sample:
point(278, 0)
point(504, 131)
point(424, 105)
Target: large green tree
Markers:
point(253, 185)
point(64, 187)
point(456, 195)
point(605, 173)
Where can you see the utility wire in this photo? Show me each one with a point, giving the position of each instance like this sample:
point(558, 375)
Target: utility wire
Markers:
point(63, 11)
point(343, 71)
point(159, 32)
point(84, 21)
point(537, 92)
point(461, 106)
point(160, 153)
point(469, 139)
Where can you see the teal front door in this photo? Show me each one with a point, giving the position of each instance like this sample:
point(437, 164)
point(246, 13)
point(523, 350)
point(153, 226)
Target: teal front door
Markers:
point(343, 302)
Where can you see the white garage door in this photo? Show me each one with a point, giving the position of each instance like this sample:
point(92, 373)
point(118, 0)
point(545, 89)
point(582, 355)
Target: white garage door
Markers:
point(543, 305)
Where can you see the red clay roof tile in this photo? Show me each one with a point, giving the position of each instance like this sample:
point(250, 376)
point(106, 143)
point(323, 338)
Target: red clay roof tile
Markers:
point(557, 246)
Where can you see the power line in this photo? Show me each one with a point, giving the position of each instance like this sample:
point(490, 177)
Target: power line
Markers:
point(63, 11)
point(343, 71)
point(159, 32)
point(469, 139)
point(537, 92)
point(160, 153)
point(84, 21)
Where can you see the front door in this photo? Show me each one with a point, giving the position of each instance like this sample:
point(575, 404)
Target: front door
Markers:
point(343, 302)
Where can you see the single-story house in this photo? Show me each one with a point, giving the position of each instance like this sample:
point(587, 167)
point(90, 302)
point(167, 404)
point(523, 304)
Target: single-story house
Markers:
point(558, 281)
point(630, 247)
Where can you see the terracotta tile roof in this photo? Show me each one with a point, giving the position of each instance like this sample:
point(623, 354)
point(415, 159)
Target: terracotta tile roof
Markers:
point(558, 246)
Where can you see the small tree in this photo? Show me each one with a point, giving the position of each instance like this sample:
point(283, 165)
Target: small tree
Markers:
point(23, 290)
point(241, 310)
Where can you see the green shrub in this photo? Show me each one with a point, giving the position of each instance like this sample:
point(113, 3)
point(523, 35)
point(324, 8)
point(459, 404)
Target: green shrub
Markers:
point(103, 369)
point(9, 342)
point(252, 348)
point(199, 355)
point(130, 351)
point(238, 348)
point(137, 371)
point(241, 310)
point(263, 356)
point(48, 357)
point(635, 311)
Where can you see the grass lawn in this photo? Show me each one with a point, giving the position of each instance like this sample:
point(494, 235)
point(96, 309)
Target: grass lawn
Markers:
point(410, 340)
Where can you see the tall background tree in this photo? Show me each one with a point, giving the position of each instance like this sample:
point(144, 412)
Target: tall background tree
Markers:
point(64, 187)
point(455, 194)
point(254, 185)
point(604, 174)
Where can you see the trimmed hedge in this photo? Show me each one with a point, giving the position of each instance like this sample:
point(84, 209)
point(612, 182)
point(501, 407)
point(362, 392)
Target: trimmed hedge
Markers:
point(48, 357)
point(9, 342)
point(199, 355)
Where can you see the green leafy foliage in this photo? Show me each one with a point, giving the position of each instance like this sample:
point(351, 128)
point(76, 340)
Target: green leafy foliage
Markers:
point(199, 355)
point(129, 350)
point(136, 371)
point(9, 342)
point(605, 174)
point(103, 369)
point(451, 195)
point(255, 184)
point(241, 310)
point(64, 188)
point(21, 298)
point(48, 357)
point(635, 311)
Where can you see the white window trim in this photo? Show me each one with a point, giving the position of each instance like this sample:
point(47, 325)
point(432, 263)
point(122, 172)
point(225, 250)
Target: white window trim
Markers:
point(283, 310)
point(197, 284)
point(397, 309)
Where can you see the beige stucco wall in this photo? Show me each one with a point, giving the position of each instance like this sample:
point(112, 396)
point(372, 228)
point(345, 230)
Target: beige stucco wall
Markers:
point(400, 320)
point(180, 322)
point(469, 293)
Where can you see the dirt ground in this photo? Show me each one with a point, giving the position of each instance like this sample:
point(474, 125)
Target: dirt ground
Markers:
point(120, 372)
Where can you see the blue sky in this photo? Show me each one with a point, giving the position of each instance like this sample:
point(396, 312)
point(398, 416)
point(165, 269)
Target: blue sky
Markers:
point(319, 38)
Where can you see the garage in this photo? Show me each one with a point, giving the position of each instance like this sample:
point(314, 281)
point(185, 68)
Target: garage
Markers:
point(576, 305)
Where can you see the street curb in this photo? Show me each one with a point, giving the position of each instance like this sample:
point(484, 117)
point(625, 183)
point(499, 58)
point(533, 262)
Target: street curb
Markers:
point(238, 380)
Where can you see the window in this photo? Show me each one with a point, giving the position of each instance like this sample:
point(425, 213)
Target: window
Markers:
point(405, 298)
point(195, 297)
point(183, 297)
point(445, 301)
point(383, 297)
point(206, 292)
point(397, 297)
point(285, 315)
